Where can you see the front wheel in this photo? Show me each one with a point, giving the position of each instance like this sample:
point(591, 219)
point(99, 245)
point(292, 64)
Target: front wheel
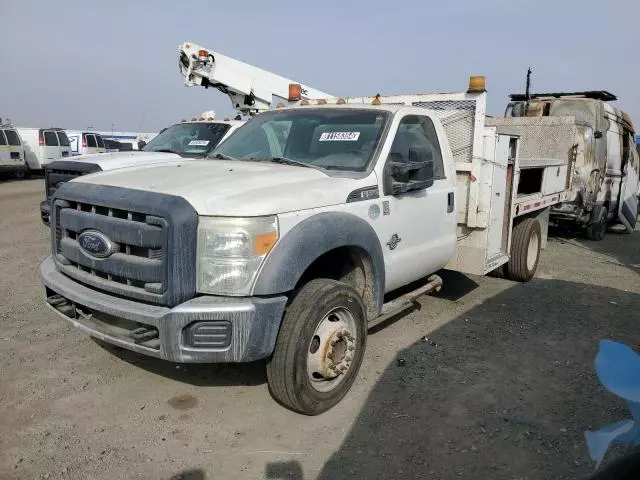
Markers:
point(319, 348)
point(598, 225)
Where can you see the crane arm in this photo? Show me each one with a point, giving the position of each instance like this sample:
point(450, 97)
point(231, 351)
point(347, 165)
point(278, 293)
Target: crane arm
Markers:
point(250, 89)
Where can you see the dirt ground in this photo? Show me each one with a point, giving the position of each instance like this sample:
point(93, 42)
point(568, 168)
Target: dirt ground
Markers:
point(504, 388)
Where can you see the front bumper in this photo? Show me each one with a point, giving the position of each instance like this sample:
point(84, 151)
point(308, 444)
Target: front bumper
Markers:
point(571, 212)
point(11, 167)
point(252, 323)
point(45, 212)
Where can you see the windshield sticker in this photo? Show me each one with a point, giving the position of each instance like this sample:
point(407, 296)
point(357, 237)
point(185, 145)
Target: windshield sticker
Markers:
point(339, 137)
point(199, 143)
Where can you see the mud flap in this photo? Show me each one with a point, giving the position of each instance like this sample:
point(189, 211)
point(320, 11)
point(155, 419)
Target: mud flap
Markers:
point(628, 203)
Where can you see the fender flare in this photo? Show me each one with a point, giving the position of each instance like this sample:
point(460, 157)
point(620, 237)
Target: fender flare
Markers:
point(310, 239)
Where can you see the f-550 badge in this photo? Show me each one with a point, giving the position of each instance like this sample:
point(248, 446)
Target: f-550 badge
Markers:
point(394, 241)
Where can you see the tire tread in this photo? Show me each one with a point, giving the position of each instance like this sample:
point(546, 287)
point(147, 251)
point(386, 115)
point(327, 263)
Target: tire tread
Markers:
point(516, 268)
point(281, 367)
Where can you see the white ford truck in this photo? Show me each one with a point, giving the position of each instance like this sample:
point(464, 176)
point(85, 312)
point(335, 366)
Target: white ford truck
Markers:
point(284, 245)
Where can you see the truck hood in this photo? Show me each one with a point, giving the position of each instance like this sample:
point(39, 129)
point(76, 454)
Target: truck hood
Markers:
point(110, 161)
point(236, 188)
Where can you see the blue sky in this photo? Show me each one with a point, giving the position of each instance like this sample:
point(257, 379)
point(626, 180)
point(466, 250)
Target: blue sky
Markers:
point(76, 64)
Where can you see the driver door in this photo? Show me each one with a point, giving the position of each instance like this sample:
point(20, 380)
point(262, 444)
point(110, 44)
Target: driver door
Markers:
point(418, 231)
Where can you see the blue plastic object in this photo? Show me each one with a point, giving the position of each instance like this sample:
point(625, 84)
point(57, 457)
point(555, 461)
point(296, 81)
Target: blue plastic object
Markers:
point(618, 368)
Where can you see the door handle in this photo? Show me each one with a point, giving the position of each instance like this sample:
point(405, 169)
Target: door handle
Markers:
point(450, 202)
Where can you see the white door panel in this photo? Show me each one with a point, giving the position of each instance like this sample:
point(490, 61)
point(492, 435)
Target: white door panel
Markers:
point(51, 151)
point(419, 226)
point(426, 230)
point(498, 190)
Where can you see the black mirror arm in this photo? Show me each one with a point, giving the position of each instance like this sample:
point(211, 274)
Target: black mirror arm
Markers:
point(404, 167)
point(403, 187)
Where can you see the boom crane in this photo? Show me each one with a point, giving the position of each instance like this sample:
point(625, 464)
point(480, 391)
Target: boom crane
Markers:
point(251, 89)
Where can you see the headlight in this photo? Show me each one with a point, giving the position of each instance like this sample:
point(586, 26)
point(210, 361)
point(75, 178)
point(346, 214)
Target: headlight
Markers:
point(230, 252)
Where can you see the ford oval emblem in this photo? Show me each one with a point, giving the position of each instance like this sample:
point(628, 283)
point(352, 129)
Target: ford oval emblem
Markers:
point(95, 243)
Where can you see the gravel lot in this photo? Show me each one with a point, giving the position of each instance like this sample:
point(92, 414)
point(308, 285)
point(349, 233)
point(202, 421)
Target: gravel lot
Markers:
point(503, 389)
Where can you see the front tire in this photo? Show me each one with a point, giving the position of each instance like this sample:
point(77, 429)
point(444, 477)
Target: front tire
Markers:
point(525, 251)
point(598, 226)
point(319, 348)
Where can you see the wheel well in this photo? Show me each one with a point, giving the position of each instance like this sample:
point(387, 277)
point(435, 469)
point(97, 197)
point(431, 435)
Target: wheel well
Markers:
point(351, 265)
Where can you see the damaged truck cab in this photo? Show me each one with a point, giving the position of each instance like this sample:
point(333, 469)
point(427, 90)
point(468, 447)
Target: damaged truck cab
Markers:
point(604, 171)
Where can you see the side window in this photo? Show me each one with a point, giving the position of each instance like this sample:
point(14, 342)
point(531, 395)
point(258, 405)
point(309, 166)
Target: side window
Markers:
point(50, 139)
point(100, 141)
point(64, 140)
point(3, 141)
point(416, 131)
point(91, 141)
point(12, 138)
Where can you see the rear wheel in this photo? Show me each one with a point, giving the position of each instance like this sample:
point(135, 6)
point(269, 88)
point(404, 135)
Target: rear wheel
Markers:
point(525, 251)
point(598, 225)
point(319, 348)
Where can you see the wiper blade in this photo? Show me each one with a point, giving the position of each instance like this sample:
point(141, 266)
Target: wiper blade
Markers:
point(166, 150)
point(221, 156)
point(289, 161)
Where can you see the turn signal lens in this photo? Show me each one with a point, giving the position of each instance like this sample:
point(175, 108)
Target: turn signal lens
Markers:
point(263, 243)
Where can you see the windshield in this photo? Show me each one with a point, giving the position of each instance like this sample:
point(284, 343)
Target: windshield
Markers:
point(193, 139)
point(329, 138)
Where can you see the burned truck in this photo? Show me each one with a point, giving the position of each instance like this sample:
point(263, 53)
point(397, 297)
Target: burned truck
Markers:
point(599, 141)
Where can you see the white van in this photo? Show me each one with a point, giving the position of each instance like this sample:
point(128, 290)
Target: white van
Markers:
point(11, 152)
point(85, 143)
point(43, 146)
